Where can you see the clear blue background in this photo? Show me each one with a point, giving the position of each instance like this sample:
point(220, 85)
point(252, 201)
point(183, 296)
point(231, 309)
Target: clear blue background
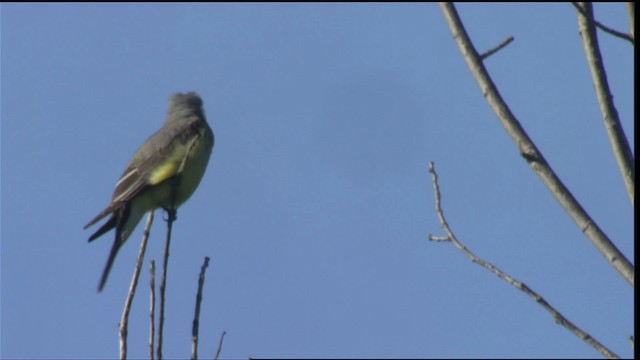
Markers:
point(317, 202)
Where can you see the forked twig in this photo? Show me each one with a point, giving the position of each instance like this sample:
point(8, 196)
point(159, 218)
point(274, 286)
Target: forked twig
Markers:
point(603, 27)
point(557, 316)
point(530, 152)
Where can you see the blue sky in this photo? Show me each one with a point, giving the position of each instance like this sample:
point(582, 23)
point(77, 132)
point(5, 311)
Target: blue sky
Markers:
point(317, 201)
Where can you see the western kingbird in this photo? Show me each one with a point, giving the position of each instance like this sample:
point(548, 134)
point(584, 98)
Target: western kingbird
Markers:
point(163, 173)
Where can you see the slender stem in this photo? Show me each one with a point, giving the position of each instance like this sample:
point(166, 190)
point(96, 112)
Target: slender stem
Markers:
point(124, 321)
point(171, 217)
point(220, 345)
point(152, 308)
point(498, 47)
point(196, 316)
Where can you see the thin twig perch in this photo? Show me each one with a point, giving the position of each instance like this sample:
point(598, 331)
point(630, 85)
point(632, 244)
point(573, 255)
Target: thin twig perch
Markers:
point(171, 217)
point(152, 307)
point(124, 321)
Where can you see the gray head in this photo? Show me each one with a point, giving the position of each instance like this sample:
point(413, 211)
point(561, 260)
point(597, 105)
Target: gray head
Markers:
point(184, 105)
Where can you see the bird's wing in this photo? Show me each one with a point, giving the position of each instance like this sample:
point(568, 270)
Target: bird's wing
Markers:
point(152, 164)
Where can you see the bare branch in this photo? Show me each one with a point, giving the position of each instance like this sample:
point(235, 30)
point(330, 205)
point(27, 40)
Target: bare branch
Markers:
point(220, 345)
point(557, 316)
point(530, 152)
point(124, 321)
point(616, 33)
point(152, 308)
point(499, 47)
point(615, 132)
point(171, 217)
point(196, 316)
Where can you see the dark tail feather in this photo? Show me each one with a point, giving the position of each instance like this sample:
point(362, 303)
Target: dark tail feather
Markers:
point(99, 217)
point(117, 243)
point(117, 220)
point(110, 224)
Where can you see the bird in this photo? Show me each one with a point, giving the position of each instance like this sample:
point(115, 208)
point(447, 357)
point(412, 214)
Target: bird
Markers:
point(163, 173)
